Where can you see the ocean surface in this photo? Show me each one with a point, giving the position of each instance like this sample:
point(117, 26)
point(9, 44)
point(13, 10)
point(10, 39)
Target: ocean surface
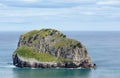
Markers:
point(103, 47)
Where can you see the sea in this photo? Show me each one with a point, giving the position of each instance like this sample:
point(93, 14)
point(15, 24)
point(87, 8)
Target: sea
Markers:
point(103, 48)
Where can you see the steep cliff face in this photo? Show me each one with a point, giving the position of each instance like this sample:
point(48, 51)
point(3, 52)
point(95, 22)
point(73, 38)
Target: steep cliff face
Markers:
point(50, 48)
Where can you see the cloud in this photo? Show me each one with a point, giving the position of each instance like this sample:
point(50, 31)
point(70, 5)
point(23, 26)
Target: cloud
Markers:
point(88, 13)
point(109, 2)
point(59, 9)
point(6, 20)
point(58, 12)
point(71, 1)
point(39, 4)
point(47, 3)
point(30, 1)
point(29, 12)
point(2, 5)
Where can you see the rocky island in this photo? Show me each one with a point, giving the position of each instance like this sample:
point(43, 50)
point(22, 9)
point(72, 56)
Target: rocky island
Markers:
point(49, 48)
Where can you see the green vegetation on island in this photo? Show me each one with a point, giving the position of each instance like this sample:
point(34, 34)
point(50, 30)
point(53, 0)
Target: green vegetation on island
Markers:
point(67, 42)
point(27, 53)
point(43, 32)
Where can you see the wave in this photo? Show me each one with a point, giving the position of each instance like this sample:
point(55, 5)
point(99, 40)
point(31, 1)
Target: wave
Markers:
point(6, 65)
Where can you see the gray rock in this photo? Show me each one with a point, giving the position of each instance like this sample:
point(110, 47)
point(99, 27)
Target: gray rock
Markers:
point(55, 43)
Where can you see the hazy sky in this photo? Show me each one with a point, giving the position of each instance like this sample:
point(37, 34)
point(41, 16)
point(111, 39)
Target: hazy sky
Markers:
point(82, 15)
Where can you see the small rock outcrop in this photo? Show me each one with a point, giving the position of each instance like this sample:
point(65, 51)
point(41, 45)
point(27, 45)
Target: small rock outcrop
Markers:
point(49, 48)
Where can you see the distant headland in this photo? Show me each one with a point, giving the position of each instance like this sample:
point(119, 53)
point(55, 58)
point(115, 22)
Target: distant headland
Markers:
point(49, 48)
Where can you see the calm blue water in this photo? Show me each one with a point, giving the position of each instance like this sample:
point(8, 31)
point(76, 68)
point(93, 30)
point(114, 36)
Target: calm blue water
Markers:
point(103, 47)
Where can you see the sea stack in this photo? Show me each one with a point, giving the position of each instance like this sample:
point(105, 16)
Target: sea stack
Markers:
point(49, 48)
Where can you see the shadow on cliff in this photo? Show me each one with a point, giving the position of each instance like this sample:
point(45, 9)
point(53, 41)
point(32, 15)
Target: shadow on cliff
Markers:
point(51, 73)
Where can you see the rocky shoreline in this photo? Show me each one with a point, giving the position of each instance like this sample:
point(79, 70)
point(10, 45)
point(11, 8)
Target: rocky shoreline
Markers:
point(32, 63)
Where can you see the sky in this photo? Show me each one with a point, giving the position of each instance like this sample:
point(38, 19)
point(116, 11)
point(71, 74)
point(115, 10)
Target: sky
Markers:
point(64, 15)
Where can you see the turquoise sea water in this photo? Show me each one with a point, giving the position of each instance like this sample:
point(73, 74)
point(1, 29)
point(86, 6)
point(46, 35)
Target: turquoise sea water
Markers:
point(103, 47)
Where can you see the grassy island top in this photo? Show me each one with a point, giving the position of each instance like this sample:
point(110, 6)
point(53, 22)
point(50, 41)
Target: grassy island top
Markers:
point(43, 33)
point(67, 43)
point(63, 42)
point(27, 53)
